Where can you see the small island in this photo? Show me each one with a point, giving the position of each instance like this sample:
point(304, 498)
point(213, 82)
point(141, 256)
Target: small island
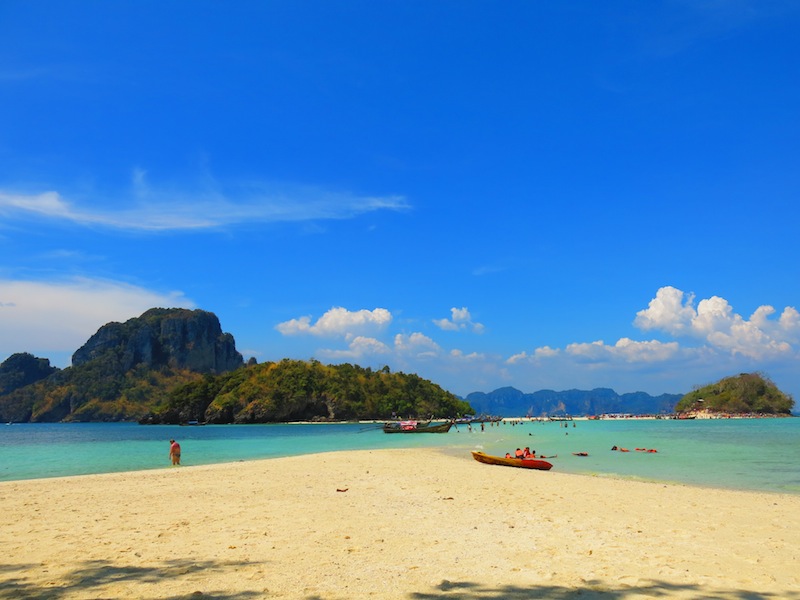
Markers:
point(744, 395)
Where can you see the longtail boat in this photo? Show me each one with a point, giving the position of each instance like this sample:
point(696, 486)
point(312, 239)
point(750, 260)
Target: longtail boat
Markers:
point(416, 427)
point(523, 463)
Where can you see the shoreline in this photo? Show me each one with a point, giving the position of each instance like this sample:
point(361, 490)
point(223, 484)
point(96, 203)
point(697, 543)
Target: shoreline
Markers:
point(455, 454)
point(767, 468)
point(393, 523)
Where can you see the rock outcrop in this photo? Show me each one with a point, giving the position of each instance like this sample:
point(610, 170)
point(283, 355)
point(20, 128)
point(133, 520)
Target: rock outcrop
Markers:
point(22, 369)
point(175, 337)
point(122, 372)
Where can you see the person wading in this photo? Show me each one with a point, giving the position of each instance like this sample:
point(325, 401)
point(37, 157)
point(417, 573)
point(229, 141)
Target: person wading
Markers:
point(175, 452)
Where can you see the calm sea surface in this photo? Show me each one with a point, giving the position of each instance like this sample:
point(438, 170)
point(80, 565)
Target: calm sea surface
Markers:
point(752, 454)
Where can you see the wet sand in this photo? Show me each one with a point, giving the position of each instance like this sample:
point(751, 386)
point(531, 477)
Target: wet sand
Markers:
point(410, 524)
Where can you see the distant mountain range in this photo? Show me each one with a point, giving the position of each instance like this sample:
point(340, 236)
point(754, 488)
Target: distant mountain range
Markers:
point(510, 402)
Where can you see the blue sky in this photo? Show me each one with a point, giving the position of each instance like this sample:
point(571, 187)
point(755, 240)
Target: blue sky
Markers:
point(532, 194)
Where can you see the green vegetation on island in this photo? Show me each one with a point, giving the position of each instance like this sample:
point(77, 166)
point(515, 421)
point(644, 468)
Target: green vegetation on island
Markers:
point(295, 390)
point(176, 365)
point(122, 371)
point(748, 393)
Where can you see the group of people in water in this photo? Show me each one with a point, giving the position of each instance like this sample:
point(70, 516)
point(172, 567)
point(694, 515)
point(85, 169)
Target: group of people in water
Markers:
point(526, 453)
point(618, 449)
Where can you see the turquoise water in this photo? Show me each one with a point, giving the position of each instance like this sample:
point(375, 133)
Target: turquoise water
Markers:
point(753, 454)
point(758, 454)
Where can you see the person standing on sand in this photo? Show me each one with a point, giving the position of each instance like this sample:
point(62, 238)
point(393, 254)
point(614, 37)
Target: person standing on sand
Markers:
point(175, 452)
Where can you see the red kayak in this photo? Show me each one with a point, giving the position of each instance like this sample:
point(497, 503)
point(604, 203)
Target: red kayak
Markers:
point(523, 463)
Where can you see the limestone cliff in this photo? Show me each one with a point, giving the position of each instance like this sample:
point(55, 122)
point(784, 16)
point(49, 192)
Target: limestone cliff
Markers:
point(123, 371)
point(175, 337)
point(22, 369)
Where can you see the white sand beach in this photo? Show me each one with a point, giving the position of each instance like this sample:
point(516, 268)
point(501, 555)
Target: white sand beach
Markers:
point(390, 524)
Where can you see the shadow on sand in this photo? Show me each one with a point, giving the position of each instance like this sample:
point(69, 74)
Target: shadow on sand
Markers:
point(593, 590)
point(89, 579)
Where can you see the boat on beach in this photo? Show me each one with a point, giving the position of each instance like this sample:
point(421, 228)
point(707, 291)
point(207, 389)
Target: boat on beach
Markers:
point(523, 463)
point(416, 427)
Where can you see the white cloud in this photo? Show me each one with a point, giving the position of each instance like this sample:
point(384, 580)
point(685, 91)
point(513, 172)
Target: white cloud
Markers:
point(41, 317)
point(472, 356)
point(546, 352)
point(360, 347)
point(645, 351)
point(597, 351)
point(339, 322)
point(445, 325)
point(785, 329)
point(713, 315)
point(460, 320)
point(416, 344)
point(163, 210)
point(543, 352)
point(668, 312)
point(715, 322)
point(520, 357)
point(47, 204)
point(789, 322)
point(625, 350)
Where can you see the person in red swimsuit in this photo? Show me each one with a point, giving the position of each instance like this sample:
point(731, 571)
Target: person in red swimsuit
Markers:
point(175, 452)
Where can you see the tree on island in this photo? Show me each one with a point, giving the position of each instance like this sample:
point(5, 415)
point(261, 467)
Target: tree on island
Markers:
point(747, 393)
point(296, 390)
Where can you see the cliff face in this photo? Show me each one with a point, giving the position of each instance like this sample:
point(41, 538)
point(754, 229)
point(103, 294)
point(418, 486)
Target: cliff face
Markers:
point(22, 369)
point(122, 372)
point(175, 338)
